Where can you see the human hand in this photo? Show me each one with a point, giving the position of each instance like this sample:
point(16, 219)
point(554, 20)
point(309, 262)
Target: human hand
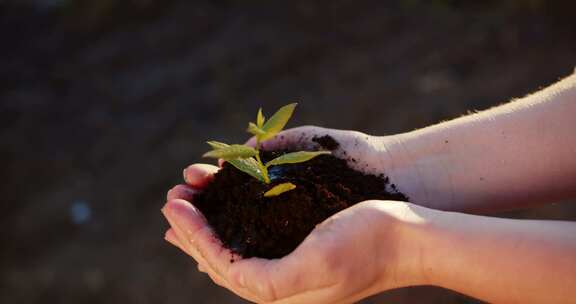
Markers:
point(423, 182)
point(363, 152)
point(325, 268)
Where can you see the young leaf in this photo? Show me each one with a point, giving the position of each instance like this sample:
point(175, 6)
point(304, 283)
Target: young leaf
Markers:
point(260, 119)
point(255, 130)
point(232, 152)
point(277, 122)
point(295, 157)
point(248, 166)
point(217, 145)
point(279, 189)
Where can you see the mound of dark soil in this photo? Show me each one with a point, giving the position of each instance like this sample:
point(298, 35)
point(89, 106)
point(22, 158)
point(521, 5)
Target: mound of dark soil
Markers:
point(253, 225)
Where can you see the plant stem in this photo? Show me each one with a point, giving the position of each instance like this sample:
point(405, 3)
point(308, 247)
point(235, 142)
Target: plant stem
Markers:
point(263, 168)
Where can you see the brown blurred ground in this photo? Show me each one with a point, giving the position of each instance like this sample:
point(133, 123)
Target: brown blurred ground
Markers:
point(102, 105)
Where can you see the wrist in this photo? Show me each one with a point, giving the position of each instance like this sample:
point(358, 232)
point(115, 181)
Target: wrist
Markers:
point(442, 236)
point(418, 165)
point(411, 237)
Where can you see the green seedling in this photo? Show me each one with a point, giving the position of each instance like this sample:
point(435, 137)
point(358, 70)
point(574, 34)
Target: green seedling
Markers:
point(247, 159)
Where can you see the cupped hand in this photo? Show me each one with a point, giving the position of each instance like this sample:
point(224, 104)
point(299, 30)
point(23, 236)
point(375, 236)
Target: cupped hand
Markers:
point(353, 254)
point(378, 155)
point(363, 152)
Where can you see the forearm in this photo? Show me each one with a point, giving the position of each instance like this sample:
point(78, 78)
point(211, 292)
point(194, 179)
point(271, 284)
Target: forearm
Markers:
point(500, 260)
point(516, 154)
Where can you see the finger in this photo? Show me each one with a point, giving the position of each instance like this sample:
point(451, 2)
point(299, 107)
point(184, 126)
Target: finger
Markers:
point(201, 268)
point(295, 138)
point(361, 151)
point(199, 175)
point(180, 236)
point(300, 138)
point(172, 237)
point(196, 238)
point(184, 192)
point(192, 229)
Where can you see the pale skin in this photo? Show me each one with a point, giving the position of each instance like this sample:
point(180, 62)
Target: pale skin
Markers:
point(517, 155)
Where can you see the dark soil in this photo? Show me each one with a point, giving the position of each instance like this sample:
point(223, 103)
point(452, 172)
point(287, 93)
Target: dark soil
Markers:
point(327, 142)
point(255, 226)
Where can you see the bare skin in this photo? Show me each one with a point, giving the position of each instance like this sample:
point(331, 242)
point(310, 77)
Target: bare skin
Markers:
point(513, 156)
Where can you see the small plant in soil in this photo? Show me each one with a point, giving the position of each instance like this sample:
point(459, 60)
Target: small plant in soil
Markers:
point(264, 203)
point(247, 159)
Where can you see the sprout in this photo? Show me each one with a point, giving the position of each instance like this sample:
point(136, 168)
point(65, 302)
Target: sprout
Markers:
point(247, 159)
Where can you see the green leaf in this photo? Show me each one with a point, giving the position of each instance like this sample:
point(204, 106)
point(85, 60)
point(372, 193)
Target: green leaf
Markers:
point(260, 118)
point(255, 130)
point(248, 166)
point(217, 145)
point(232, 152)
point(295, 157)
point(277, 122)
point(279, 189)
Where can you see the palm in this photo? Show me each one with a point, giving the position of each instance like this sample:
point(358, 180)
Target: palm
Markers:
point(343, 250)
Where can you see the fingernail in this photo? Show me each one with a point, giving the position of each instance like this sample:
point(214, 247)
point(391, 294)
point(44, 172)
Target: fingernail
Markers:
point(175, 216)
point(180, 192)
point(189, 191)
point(184, 175)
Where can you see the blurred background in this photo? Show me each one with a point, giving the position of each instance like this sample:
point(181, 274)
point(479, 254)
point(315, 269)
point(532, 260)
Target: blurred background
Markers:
point(104, 102)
